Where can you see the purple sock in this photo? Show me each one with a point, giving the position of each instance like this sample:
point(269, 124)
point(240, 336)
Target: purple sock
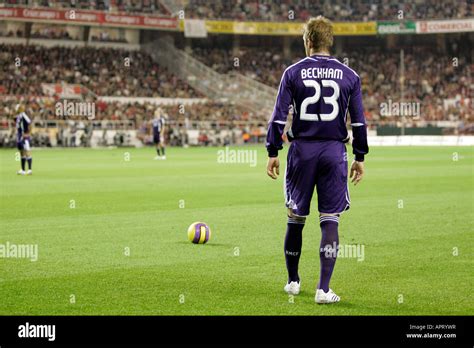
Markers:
point(293, 242)
point(30, 162)
point(23, 161)
point(328, 249)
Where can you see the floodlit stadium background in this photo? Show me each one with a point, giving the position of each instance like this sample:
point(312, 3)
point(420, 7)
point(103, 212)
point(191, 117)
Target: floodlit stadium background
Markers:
point(215, 66)
point(110, 223)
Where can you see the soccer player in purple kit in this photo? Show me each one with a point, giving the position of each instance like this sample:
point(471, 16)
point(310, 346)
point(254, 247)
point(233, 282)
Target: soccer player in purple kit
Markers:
point(321, 91)
point(23, 122)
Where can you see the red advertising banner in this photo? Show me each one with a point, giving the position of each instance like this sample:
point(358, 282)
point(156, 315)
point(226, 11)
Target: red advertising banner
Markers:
point(88, 17)
point(445, 26)
point(63, 90)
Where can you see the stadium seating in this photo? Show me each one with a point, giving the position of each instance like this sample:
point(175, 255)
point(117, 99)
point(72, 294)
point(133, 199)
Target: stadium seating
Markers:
point(277, 10)
point(339, 10)
point(97, 69)
point(431, 79)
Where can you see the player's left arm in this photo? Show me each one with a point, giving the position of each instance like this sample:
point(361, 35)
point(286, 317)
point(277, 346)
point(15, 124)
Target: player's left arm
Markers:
point(276, 125)
point(359, 132)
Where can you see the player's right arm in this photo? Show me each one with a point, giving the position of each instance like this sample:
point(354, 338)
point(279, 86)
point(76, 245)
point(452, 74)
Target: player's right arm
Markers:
point(276, 125)
point(359, 133)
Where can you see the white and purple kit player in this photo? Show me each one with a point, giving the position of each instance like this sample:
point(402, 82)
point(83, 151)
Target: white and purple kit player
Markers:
point(158, 128)
point(321, 91)
point(23, 125)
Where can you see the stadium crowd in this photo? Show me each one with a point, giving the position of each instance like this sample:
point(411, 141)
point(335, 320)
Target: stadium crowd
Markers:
point(105, 71)
point(442, 88)
point(263, 65)
point(216, 113)
point(278, 10)
point(50, 32)
point(123, 6)
point(339, 10)
point(208, 117)
point(430, 79)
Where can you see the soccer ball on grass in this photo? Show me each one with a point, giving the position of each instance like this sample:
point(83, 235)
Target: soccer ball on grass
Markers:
point(199, 233)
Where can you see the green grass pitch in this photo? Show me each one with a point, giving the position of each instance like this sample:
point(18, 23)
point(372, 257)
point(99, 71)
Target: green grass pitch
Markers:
point(123, 249)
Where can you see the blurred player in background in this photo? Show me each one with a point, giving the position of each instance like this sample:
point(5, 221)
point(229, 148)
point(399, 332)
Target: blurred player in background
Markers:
point(321, 91)
point(23, 126)
point(158, 125)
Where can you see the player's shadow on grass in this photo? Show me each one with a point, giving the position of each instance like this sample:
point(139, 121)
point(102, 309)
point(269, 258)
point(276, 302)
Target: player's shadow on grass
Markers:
point(208, 244)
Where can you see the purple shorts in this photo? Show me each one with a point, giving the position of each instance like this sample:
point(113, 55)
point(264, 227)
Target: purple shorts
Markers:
point(316, 163)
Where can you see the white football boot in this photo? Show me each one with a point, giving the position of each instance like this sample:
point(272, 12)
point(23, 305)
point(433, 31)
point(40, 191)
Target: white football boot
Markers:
point(21, 172)
point(292, 288)
point(158, 157)
point(29, 172)
point(163, 157)
point(326, 297)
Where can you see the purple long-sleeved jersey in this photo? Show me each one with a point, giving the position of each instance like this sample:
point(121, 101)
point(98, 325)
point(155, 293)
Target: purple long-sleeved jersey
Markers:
point(321, 90)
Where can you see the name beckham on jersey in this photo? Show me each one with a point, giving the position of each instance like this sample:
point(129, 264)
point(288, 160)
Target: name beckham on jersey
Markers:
point(321, 73)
